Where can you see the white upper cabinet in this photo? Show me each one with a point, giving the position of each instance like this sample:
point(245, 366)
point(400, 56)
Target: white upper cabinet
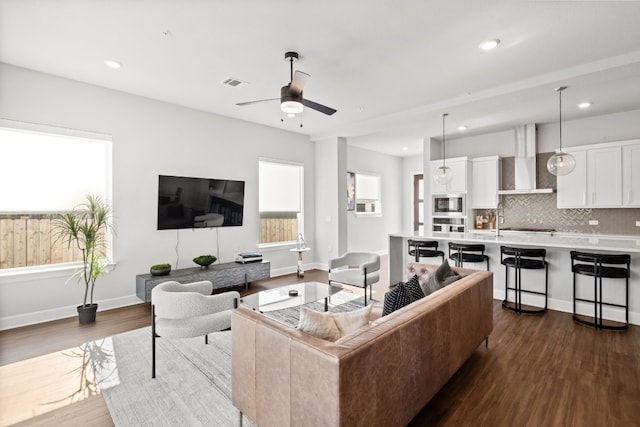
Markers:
point(631, 175)
point(604, 174)
point(603, 178)
point(572, 188)
point(485, 182)
point(458, 184)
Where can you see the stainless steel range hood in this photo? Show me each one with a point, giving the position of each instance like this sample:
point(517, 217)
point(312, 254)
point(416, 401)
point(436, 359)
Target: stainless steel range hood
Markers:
point(525, 162)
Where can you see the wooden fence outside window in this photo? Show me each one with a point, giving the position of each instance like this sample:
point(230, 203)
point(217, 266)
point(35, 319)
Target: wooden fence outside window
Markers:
point(274, 230)
point(26, 241)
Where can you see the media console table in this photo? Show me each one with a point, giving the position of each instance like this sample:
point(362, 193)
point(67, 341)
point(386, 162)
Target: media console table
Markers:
point(221, 275)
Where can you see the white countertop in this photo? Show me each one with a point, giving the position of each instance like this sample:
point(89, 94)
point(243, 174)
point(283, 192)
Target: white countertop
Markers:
point(623, 244)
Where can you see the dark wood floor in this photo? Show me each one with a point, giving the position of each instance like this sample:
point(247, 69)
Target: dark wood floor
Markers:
point(538, 370)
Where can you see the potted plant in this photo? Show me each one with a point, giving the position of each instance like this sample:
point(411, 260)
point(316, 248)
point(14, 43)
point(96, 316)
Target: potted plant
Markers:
point(205, 260)
point(160, 269)
point(87, 226)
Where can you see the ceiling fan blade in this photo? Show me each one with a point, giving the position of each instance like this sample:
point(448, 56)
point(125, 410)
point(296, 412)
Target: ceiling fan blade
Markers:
point(297, 84)
point(319, 107)
point(255, 102)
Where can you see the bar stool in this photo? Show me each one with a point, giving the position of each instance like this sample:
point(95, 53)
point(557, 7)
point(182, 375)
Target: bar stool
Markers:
point(519, 258)
point(424, 249)
point(467, 253)
point(599, 266)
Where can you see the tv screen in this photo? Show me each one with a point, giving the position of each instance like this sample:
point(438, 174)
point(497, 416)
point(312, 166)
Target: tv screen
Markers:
point(185, 202)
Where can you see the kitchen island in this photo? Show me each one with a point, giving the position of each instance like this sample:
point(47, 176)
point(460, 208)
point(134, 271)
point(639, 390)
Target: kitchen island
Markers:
point(558, 246)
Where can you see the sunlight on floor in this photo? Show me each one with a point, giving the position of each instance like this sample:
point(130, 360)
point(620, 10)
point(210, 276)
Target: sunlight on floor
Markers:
point(36, 386)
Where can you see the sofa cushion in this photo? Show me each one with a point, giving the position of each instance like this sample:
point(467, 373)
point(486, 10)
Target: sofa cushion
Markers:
point(319, 324)
point(442, 277)
point(397, 298)
point(351, 320)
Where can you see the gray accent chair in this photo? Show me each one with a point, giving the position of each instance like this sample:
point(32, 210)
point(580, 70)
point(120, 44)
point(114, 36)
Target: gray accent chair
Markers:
point(356, 269)
point(188, 310)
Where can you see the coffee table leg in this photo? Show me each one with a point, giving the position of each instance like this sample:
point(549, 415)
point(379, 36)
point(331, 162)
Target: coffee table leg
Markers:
point(326, 304)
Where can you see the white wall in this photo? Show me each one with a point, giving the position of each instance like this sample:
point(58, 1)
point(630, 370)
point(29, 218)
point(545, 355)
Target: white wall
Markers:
point(410, 166)
point(371, 233)
point(590, 130)
point(149, 138)
point(330, 224)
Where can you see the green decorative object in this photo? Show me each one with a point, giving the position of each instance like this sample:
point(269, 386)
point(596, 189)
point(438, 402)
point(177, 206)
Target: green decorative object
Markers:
point(205, 260)
point(160, 269)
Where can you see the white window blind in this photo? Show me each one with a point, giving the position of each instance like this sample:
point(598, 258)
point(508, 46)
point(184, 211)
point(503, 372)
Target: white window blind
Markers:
point(42, 172)
point(280, 187)
point(367, 187)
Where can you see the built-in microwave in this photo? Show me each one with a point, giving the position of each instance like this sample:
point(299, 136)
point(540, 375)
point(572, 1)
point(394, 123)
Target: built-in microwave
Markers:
point(449, 204)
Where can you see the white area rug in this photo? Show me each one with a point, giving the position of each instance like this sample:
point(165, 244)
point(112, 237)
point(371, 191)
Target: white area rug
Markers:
point(193, 380)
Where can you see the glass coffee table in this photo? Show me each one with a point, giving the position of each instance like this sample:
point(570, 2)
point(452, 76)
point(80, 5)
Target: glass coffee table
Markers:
point(279, 298)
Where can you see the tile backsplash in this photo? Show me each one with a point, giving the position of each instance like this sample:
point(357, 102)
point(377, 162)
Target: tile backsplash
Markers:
point(540, 211)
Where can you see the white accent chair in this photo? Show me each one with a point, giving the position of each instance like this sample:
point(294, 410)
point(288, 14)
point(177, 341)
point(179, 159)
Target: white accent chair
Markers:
point(356, 269)
point(188, 310)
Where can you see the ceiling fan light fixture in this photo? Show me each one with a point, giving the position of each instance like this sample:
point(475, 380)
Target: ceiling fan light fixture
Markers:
point(291, 107)
point(489, 44)
point(561, 163)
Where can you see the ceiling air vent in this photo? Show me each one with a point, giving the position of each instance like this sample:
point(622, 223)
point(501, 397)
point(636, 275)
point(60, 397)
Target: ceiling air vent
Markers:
point(234, 82)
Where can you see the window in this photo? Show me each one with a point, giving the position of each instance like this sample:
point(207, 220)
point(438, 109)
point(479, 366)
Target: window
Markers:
point(45, 171)
point(280, 201)
point(368, 194)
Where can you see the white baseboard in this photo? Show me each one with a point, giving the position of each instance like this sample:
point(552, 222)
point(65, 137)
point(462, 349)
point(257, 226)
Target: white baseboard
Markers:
point(26, 319)
point(293, 269)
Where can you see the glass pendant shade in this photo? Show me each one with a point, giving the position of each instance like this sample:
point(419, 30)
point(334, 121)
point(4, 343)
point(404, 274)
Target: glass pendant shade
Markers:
point(561, 163)
point(443, 175)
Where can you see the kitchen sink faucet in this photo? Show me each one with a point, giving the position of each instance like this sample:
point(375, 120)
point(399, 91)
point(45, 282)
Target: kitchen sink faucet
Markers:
point(499, 217)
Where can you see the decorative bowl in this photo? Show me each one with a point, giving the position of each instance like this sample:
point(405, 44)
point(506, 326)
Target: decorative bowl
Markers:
point(205, 260)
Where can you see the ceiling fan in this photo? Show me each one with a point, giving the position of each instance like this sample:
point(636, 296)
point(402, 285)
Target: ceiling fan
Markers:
point(291, 100)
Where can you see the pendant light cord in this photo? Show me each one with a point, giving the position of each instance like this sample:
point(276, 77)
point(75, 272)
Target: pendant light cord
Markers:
point(444, 152)
point(559, 90)
point(560, 114)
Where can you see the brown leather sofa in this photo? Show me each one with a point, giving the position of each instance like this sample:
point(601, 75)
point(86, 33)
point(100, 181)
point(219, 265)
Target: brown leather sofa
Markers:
point(381, 375)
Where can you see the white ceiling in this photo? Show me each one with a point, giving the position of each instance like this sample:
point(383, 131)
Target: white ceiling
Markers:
point(390, 68)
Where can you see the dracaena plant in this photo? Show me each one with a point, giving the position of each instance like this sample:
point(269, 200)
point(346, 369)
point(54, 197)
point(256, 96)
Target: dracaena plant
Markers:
point(87, 227)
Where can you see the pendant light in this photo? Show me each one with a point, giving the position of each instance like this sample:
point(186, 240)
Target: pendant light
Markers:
point(443, 174)
point(561, 163)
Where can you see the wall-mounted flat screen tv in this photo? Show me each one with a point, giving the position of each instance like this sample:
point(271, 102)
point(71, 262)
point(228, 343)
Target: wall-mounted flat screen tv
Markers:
point(185, 202)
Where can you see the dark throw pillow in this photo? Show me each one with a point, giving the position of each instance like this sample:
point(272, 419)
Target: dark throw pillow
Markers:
point(397, 298)
point(413, 285)
point(442, 277)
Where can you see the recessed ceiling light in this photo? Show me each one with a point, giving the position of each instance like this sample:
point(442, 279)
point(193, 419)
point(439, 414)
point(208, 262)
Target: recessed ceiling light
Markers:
point(405, 148)
point(585, 104)
point(489, 44)
point(463, 128)
point(112, 64)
